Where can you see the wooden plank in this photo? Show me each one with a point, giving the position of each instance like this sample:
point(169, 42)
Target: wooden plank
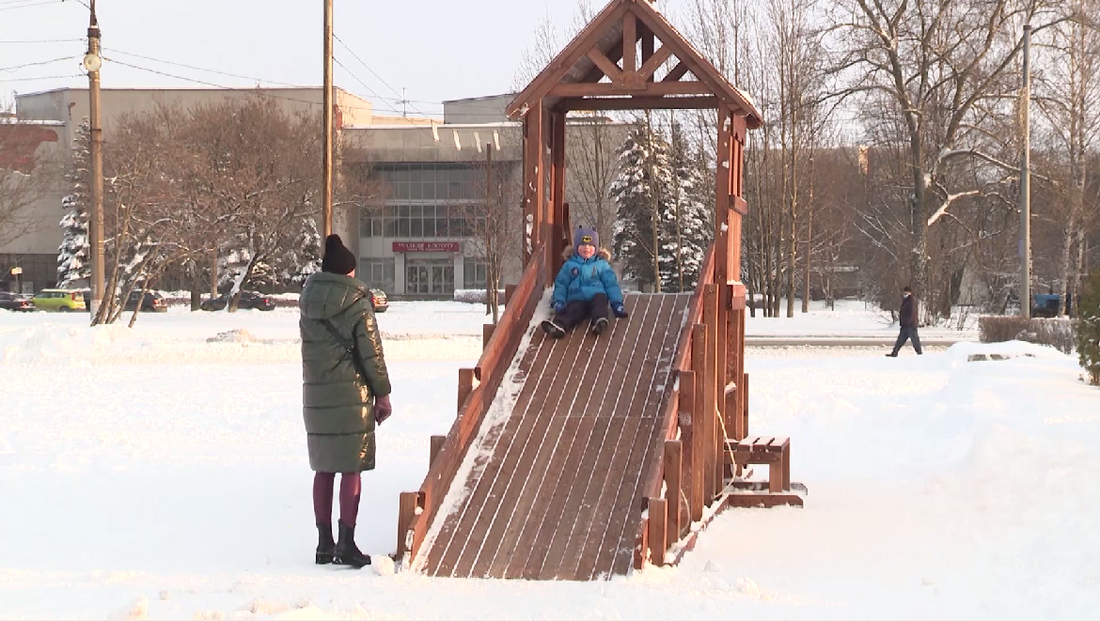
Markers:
point(652, 63)
point(763, 500)
point(406, 511)
point(559, 221)
point(487, 333)
point(589, 455)
point(528, 456)
point(436, 446)
point(745, 402)
point(677, 72)
point(607, 445)
point(691, 468)
point(532, 537)
point(605, 89)
point(477, 514)
point(699, 478)
point(658, 530)
point(614, 546)
point(608, 68)
point(673, 464)
point(630, 42)
point(465, 386)
point(509, 291)
point(713, 484)
point(640, 102)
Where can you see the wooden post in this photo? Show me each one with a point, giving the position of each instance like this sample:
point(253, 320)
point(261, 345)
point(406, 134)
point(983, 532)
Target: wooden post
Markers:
point(557, 191)
point(745, 404)
point(700, 463)
point(437, 445)
point(710, 392)
point(487, 333)
point(658, 542)
point(465, 386)
point(690, 437)
point(509, 290)
point(406, 512)
point(673, 487)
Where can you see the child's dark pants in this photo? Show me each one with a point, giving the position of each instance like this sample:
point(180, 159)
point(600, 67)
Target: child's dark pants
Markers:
point(577, 310)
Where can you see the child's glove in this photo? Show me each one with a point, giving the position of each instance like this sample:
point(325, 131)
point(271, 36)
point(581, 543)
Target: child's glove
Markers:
point(619, 310)
point(559, 307)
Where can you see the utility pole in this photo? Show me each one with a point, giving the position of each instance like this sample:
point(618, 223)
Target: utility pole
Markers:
point(326, 161)
point(93, 62)
point(1025, 183)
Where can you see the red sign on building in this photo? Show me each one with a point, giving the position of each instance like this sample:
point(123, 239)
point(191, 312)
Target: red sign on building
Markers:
point(429, 246)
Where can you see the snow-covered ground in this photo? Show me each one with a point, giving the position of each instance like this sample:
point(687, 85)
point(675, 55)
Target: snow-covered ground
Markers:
point(161, 472)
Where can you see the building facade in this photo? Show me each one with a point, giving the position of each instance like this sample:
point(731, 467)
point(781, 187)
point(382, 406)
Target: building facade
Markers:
point(427, 229)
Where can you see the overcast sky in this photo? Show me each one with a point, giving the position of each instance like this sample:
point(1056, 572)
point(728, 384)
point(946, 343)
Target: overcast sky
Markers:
point(435, 49)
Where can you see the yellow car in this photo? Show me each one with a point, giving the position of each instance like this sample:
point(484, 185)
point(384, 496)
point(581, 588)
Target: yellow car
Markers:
point(63, 300)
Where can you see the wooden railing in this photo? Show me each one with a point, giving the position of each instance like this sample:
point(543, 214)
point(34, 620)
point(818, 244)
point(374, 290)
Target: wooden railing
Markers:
point(691, 471)
point(476, 390)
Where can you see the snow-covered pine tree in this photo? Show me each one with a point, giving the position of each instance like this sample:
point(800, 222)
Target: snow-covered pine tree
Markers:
point(641, 190)
point(73, 258)
point(687, 226)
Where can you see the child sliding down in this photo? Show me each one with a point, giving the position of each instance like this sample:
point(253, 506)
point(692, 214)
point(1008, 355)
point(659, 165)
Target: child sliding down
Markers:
point(585, 286)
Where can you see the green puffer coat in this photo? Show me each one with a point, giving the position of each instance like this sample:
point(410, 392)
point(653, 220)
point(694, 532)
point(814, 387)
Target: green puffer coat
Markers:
point(336, 403)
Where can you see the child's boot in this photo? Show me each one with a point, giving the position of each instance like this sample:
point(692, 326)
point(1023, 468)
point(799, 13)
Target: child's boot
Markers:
point(347, 553)
point(551, 327)
point(599, 325)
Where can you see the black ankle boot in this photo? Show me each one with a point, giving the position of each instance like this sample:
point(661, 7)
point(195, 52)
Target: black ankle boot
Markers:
point(326, 547)
point(347, 553)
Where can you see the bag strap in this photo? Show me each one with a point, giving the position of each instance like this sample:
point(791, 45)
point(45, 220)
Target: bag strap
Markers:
point(350, 347)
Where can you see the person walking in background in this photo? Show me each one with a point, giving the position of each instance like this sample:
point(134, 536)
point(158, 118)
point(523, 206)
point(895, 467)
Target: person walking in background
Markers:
point(584, 287)
point(345, 393)
point(907, 318)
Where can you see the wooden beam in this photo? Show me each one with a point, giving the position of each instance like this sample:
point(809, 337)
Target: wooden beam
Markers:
point(406, 512)
point(688, 431)
point(699, 418)
point(465, 386)
point(713, 483)
point(674, 487)
point(630, 42)
point(679, 71)
point(605, 65)
point(565, 60)
point(487, 333)
point(557, 192)
point(436, 446)
point(588, 89)
point(645, 102)
point(653, 62)
point(658, 530)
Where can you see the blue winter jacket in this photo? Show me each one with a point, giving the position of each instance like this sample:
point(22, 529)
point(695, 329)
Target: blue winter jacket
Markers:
point(582, 279)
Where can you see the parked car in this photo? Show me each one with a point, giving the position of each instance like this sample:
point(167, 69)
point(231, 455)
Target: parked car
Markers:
point(1048, 304)
point(153, 303)
point(379, 301)
point(16, 301)
point(59, 300)
point(249, 299)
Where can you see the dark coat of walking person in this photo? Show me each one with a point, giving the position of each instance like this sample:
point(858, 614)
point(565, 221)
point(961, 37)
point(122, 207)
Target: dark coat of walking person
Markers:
point(345, 393)
point(907, 318)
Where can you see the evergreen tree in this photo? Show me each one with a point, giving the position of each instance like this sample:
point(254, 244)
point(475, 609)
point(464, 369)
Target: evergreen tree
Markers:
point(1087, 328)
point(687, 227)
point(73, 255)
point(642, 192)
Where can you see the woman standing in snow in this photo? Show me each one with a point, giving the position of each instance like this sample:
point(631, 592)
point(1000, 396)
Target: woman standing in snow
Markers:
point(345, 392)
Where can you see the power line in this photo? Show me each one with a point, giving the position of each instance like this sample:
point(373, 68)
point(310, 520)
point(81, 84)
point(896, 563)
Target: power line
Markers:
point(364, 84)
point(356, 56)
point(32, 41)
point(45, 77)
point(28, 6)
point(41, 62)
point(186, 66)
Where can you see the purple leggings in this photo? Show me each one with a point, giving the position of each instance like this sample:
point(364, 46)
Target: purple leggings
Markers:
point(350, 485)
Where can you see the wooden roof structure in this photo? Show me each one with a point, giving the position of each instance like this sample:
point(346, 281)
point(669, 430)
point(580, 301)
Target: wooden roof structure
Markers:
point(600, 69)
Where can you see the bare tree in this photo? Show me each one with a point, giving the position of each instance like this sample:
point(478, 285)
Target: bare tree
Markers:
point(942, 67)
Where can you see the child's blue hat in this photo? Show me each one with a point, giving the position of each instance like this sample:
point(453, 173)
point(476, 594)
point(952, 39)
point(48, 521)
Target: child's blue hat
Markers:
point(587, 237)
